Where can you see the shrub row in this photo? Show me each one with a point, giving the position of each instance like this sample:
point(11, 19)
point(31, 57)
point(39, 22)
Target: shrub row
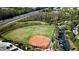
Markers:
point(19, 25)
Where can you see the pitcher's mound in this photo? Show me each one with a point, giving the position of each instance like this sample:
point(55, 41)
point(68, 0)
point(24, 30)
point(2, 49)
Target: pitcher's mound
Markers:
point(39, 41)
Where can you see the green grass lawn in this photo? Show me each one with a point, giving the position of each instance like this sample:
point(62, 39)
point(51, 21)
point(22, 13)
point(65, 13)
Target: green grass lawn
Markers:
point(71, 38)
point(23, 34)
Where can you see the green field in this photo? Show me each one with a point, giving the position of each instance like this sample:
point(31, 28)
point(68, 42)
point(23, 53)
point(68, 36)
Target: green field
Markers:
point(23, 34)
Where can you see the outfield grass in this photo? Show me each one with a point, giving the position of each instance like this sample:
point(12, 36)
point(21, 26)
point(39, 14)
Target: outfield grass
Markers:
point(23, 34)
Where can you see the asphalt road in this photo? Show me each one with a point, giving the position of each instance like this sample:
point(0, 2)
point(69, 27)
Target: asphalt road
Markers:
point(14, 19)
point(19, 17)
point(64, 41)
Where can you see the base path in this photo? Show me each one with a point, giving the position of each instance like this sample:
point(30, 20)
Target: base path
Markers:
point(39, 41)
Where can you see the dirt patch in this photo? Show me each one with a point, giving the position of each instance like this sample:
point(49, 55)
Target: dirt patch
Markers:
point(39, 41)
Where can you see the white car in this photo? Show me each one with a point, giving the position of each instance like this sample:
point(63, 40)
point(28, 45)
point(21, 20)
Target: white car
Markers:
point(75, 31)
